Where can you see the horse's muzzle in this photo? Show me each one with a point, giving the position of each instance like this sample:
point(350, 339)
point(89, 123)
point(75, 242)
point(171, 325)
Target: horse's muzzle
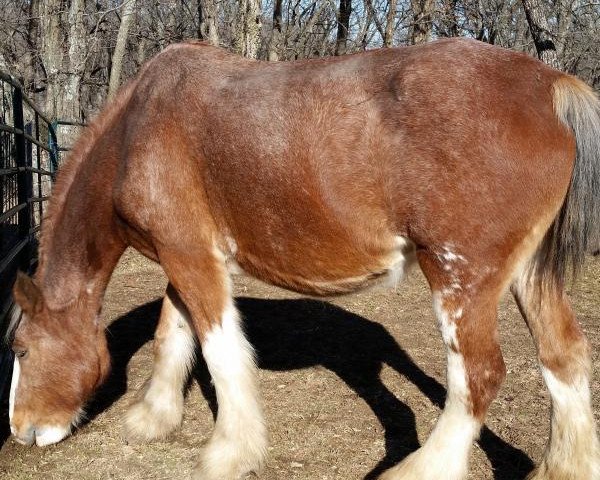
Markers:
point(41, 436)
point(26, 438)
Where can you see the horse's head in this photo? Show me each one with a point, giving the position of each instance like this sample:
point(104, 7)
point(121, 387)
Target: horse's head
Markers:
point(61, 356)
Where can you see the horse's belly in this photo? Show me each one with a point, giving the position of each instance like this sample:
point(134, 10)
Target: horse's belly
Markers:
point(330, 269)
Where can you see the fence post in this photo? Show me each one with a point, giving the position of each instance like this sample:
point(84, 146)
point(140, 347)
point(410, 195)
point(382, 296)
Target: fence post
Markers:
point(53, 145)
point(24, 183)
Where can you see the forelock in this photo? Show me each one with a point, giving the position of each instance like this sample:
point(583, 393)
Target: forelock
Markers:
point(13, 319)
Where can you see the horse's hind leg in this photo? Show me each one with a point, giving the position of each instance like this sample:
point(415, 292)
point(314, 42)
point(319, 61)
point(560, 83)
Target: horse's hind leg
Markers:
point(573, 452)
point(465, 297)
point(239, 441)
point(159, 408)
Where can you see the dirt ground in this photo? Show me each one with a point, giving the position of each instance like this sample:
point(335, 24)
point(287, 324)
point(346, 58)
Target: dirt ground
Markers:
point(351, 386)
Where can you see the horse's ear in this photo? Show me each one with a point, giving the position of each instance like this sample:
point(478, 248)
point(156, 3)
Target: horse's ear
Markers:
point(27, 294)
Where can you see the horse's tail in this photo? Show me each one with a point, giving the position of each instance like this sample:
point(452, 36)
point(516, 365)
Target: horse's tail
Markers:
point(576, 229)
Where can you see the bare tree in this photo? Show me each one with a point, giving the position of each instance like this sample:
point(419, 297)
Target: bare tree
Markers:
point(274, 43)
point(74, 62)
point(207, 13)
point(388, 38)
point(543, 37)
point(117, 57)
point(247, 37)
point(422, 20)
point(447, 25)
point(345, 10)
point(51, 52)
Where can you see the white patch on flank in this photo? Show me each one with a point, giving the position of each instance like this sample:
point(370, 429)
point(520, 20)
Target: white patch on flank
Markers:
point(450, 261)
point(445, 454)
point(239, 442)
point(402, 258)
point(231, 245)
point(13, 391)
point(227, 255)
point(449, 254)
point(49, 435)
point(233, 268)
point(574, 446)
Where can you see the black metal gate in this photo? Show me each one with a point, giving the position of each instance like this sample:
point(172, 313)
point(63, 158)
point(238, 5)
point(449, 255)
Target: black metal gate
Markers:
point(29, 157)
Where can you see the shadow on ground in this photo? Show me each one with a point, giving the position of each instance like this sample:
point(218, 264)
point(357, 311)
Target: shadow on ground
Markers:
point(293, 334)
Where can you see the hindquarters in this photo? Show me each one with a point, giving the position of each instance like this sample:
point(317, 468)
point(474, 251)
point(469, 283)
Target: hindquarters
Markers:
point(503, 193)
point(573, 451)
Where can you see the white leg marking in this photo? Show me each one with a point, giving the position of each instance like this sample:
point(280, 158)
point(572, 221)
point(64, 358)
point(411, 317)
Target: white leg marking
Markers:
point(239, 442)
point(13, 392)
point(574, 450)
point(445, 454)
point(160, 410)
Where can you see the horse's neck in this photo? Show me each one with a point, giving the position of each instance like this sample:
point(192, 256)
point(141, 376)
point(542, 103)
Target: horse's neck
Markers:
point(80, 242)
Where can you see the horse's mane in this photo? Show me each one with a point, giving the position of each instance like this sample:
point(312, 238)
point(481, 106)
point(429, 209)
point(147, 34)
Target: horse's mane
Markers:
point(75, 159)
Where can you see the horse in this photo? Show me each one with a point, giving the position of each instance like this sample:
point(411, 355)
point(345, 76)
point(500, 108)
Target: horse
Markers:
point(323, 176)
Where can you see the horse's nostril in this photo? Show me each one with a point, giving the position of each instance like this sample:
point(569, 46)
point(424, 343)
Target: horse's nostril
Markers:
point(28, 438)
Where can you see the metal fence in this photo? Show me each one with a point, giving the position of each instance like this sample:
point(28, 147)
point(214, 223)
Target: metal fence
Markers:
point(29, 156)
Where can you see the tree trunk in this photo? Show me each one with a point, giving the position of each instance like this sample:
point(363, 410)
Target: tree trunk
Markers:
point(247, 35)
point(30, 75)
point(371, 12)
point(388, 39)
point(363, 36)
point(544, 39)
point(448, 24)
point(127, 16)
point(564, 20)
point(70, 107)
point(52, 36)
point(207, 16)
point(64, 72)
point(276, 36)
point(341, 44)
point(422, 20)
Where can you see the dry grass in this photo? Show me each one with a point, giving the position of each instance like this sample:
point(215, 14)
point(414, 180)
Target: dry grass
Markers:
point(351, 386)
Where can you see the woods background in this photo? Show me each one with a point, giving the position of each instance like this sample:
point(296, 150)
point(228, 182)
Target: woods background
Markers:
point(71, 55)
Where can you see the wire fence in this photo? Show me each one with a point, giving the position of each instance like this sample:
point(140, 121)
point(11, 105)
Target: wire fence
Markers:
point(29, 158)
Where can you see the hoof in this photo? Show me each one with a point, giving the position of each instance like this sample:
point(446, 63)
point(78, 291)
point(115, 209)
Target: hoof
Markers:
point(581, 464)
point(421, 466)
point(146, 421)
point(225, 460)
point(401, 472)
point(570, 472)
point(537, 474)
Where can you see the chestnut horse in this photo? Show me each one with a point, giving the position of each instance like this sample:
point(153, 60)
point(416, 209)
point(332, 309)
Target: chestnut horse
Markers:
point(481, 164)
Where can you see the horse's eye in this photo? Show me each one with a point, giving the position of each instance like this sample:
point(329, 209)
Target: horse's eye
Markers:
point(20, 352)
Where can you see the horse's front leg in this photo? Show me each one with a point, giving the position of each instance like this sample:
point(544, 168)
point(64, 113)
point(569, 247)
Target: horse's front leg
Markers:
point(239, 441)
point(159, 407)
point(465, 306)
